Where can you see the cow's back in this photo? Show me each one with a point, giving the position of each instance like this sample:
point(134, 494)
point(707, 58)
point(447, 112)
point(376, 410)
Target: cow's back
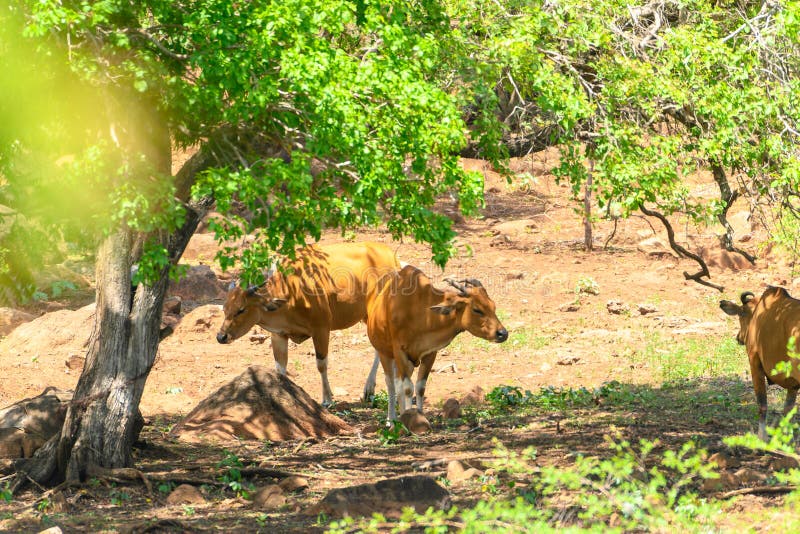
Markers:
point(776, 318)
point(336, 283)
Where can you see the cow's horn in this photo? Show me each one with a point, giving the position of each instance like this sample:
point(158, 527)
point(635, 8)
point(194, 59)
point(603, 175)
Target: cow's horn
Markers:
point(747, 296)
point(461, 289)
point(473, 282)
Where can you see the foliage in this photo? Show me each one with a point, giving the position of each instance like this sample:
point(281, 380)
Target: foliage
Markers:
point(5, 493)
point(587, 285)
point(391, 434)
point(232, 476)
point(691, 357)
point(646, 94)
point(552, 398)
point(631, 490)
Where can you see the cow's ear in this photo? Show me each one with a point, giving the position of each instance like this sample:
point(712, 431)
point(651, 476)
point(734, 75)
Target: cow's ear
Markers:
point(730, 308)
point(274, 304)
point(441, 309)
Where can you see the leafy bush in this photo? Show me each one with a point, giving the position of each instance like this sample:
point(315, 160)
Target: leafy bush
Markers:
point(633, 490)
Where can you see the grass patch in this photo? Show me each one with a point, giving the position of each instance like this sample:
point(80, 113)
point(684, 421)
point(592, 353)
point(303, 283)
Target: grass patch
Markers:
point(687, 358)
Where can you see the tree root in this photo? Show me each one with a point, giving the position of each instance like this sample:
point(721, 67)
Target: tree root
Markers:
point(757, 489)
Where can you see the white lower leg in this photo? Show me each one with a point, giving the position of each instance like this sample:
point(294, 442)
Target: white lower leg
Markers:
point(421, 393)
point(322, 367)
point(392, 393)
point(369, 387)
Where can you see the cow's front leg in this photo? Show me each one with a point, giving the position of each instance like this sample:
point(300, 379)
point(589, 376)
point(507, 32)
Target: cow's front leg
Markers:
point(405, 368)
point(424, 370)
point(280, 351)
point(760, 388)
point(321, 341)
point(387, 362)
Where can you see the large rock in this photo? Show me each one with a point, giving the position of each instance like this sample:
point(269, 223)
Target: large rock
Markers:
point(387, 497)
point(258, 404)
point(199, 284)
point(11, 318)
point(59, 333)
point(28, 424)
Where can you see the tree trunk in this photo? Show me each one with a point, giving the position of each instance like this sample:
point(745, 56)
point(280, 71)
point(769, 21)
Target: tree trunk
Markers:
point(587, 209)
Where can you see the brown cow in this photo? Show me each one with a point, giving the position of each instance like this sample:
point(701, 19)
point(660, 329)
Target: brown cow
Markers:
point(766, 325)
point(410, 320)
point(326, 288)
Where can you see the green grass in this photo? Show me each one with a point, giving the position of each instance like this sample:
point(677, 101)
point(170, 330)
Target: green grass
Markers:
point(692, 357)
point(520, 338)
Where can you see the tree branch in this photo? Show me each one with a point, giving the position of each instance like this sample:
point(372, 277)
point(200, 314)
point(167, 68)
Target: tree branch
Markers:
point(698, 276)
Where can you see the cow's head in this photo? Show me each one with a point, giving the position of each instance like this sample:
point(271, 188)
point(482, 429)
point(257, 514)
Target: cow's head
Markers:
point(243, 308)
point(474, 310)
point(744, 312)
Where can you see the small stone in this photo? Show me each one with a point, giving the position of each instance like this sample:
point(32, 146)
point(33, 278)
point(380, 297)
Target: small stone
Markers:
point(185, 494)
point(293, 483)
point(568, 360)
point(269, 497)
point(726, 481)
point(172, 305)
point(724, 460)
point(451, 409)
point(617, 307)
point(415, 422)
point(644, 309)
point(75, 362)
point(746, 475)
point(783, 463)
point(475, 396)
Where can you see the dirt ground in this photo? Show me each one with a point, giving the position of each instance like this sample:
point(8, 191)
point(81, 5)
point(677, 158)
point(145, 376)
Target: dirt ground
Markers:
point(527, 249)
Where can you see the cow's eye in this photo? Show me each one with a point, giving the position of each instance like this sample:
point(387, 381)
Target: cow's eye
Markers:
point(240, 311)
point(476, 311)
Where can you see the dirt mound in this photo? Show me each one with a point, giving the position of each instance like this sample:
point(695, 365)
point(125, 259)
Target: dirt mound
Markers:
point(258, 404)
point(200, 324)
point(56, 333)
point(11, 318)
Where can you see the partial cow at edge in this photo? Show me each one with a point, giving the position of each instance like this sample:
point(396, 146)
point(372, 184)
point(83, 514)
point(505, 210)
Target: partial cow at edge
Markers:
point(325, 288)
point(411, 320)
point(766, 324)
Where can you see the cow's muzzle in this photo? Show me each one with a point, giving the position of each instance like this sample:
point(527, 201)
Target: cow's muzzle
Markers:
point(222, 338)
point(501, 335)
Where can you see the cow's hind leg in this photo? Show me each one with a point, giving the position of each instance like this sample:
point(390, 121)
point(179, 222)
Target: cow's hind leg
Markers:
point(280, 351)
point(321, 350)
point(369, 387)
point(760, 388)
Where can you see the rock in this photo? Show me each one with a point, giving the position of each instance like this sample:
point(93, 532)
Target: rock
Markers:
point(724, 460)
point(16, 443)
point(172, 305)
point(269, 497)
point(11, 318)
point(655, 247)
point(501, 241)
point(475, 396)
point(59, 333)
point(387, 497)
point(617, 307)
point(514, 275)
point(716, 256)
point(456, 472)
point(726, 481)
point(783, 463)
point(514, 228)
point(646, 308)
point(568, 360)
point(199, 284)
point(745, 475)
point(293, 483)
point(258, 404)
point(75, 362)
point(451, 409)
point(571, 306)
point(185, 494)
point(203, 320)
point(415, 422)
point(26, 425)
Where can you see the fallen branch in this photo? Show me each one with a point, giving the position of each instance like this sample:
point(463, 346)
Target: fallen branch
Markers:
point(757, 489)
